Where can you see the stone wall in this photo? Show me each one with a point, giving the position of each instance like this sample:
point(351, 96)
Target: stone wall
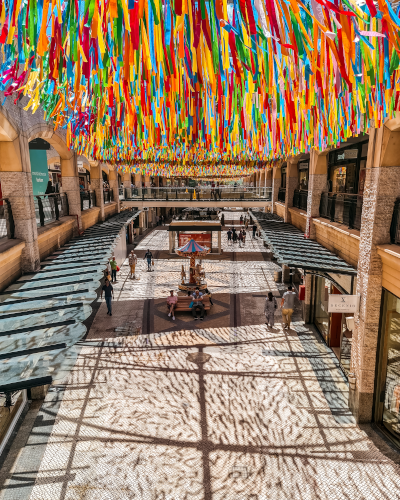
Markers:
point(390, 255)
point(279, 209)
point(90, 217)
point(53, 236)
point(338, 239)
point(10, 261)
point(298, 218)
point(110, 209)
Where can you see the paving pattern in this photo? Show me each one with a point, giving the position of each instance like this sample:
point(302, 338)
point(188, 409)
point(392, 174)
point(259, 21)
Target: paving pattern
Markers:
point(201, 412)
point(159, 240)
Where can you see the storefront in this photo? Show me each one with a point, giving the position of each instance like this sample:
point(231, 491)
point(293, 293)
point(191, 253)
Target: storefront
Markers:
point(335, 328)
point(346, 169)
point(55, 175)
point(84, 176)
point(387, 387)
point(303, 168)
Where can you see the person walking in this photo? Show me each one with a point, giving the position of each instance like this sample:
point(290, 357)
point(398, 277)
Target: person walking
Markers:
point(132, 263)
point(240, 238)
point(114, 266)
point(197, 299)
point(108, 295)
point(241, 220)
point(157, 220)
point(234, 235)
point(287, 304)
point(254, 231)
point(269, 309)
point(229, 234)
point(246, 225)
point(244, 234)
point(149, 256)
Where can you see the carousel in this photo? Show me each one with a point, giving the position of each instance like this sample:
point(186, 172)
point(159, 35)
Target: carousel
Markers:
point(193, 250)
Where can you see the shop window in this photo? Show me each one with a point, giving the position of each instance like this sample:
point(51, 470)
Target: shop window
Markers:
point(321, 315)
point(303, 179)
point(388, 374)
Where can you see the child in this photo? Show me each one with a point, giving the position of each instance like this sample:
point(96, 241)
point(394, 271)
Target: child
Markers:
point(269, 309)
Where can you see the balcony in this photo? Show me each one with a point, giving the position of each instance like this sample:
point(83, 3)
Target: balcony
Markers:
point(300, 199)
point(88, 200)
point(198, 193)
point(282, 195)
point(50, 207)
point(342, 208)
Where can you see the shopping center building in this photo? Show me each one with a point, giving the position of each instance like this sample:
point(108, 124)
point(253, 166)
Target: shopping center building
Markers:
point(345, 198)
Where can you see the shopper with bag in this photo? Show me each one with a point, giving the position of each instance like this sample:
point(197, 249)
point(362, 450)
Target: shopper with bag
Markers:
point(287, 305)
point(269, 309)
point(114, 269)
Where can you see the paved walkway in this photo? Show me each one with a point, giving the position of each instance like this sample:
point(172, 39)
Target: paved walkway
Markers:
point(171, 411)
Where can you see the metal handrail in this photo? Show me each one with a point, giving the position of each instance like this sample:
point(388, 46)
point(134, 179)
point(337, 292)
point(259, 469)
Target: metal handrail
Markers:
point(344, 208)
point(50, 207)
point(7, 228)
point(216, 193)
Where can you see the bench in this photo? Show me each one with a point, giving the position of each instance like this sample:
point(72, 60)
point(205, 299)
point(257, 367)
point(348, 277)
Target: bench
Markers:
point(184, 303)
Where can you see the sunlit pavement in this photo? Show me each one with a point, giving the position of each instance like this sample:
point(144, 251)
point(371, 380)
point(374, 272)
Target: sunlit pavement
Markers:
point(222, 409)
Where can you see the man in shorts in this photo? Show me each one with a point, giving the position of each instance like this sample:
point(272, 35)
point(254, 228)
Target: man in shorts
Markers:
point(132, 263)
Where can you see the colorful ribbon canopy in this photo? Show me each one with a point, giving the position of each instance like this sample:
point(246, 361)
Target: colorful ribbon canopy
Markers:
point(204, 83)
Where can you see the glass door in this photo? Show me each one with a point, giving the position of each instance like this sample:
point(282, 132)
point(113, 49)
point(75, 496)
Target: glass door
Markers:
point(387, 399)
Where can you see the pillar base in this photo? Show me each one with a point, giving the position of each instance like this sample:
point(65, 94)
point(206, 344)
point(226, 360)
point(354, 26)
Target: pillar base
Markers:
point(360, 404)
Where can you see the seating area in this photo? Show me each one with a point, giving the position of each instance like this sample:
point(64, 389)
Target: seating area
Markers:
point(184, 303)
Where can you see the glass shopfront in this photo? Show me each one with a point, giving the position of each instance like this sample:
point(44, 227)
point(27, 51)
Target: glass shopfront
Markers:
point(387, 397)
point(303, 175)
point(335, 328)
point(347, 169)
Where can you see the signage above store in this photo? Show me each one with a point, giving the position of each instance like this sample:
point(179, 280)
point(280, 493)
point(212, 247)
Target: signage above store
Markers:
point(82, 170)
point(343, 303)
point(303, 166)
point(348, 154)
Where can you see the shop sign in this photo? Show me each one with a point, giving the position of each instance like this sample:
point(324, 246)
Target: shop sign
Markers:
point(201, 239)
point(348, 154)
point(56, 166)
point(343, 303)
point(303, 166)
point(39, 171)
point(82, 170)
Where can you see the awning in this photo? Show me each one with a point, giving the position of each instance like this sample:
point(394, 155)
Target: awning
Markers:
point(291, 248)
point(42, 314)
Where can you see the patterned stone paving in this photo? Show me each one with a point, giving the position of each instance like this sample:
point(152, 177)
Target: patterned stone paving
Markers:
point(159, 240)
point(221, 412)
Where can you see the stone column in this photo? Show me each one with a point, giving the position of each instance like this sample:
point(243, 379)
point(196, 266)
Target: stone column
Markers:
point(126, 178)
point(113, 179)
point(268, 178)
point(317, 182)
point(147, 181)
point(96, 181)
point(382, 187)
point(70, 185)
point(308, 298)
point(292, 182)
point(276, 184)
point(16, 185)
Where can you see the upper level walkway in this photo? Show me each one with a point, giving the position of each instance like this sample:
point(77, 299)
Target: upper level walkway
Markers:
point(199, 196)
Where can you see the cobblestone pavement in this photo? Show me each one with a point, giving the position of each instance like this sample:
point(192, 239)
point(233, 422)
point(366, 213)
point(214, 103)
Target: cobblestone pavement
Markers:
point(159, 240)
point(228, 409)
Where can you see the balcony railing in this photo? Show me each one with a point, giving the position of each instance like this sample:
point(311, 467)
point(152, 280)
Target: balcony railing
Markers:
point(343, 208)
point(7, 227)
point(88, 200)
point(50, 207)
point(282, 195)
point(300, 199)
point(199, 193)
point(108, 195)
point(395, 226)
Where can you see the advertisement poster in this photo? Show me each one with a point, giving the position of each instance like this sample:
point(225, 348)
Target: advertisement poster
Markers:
point(200, 238)
point(39, 171)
